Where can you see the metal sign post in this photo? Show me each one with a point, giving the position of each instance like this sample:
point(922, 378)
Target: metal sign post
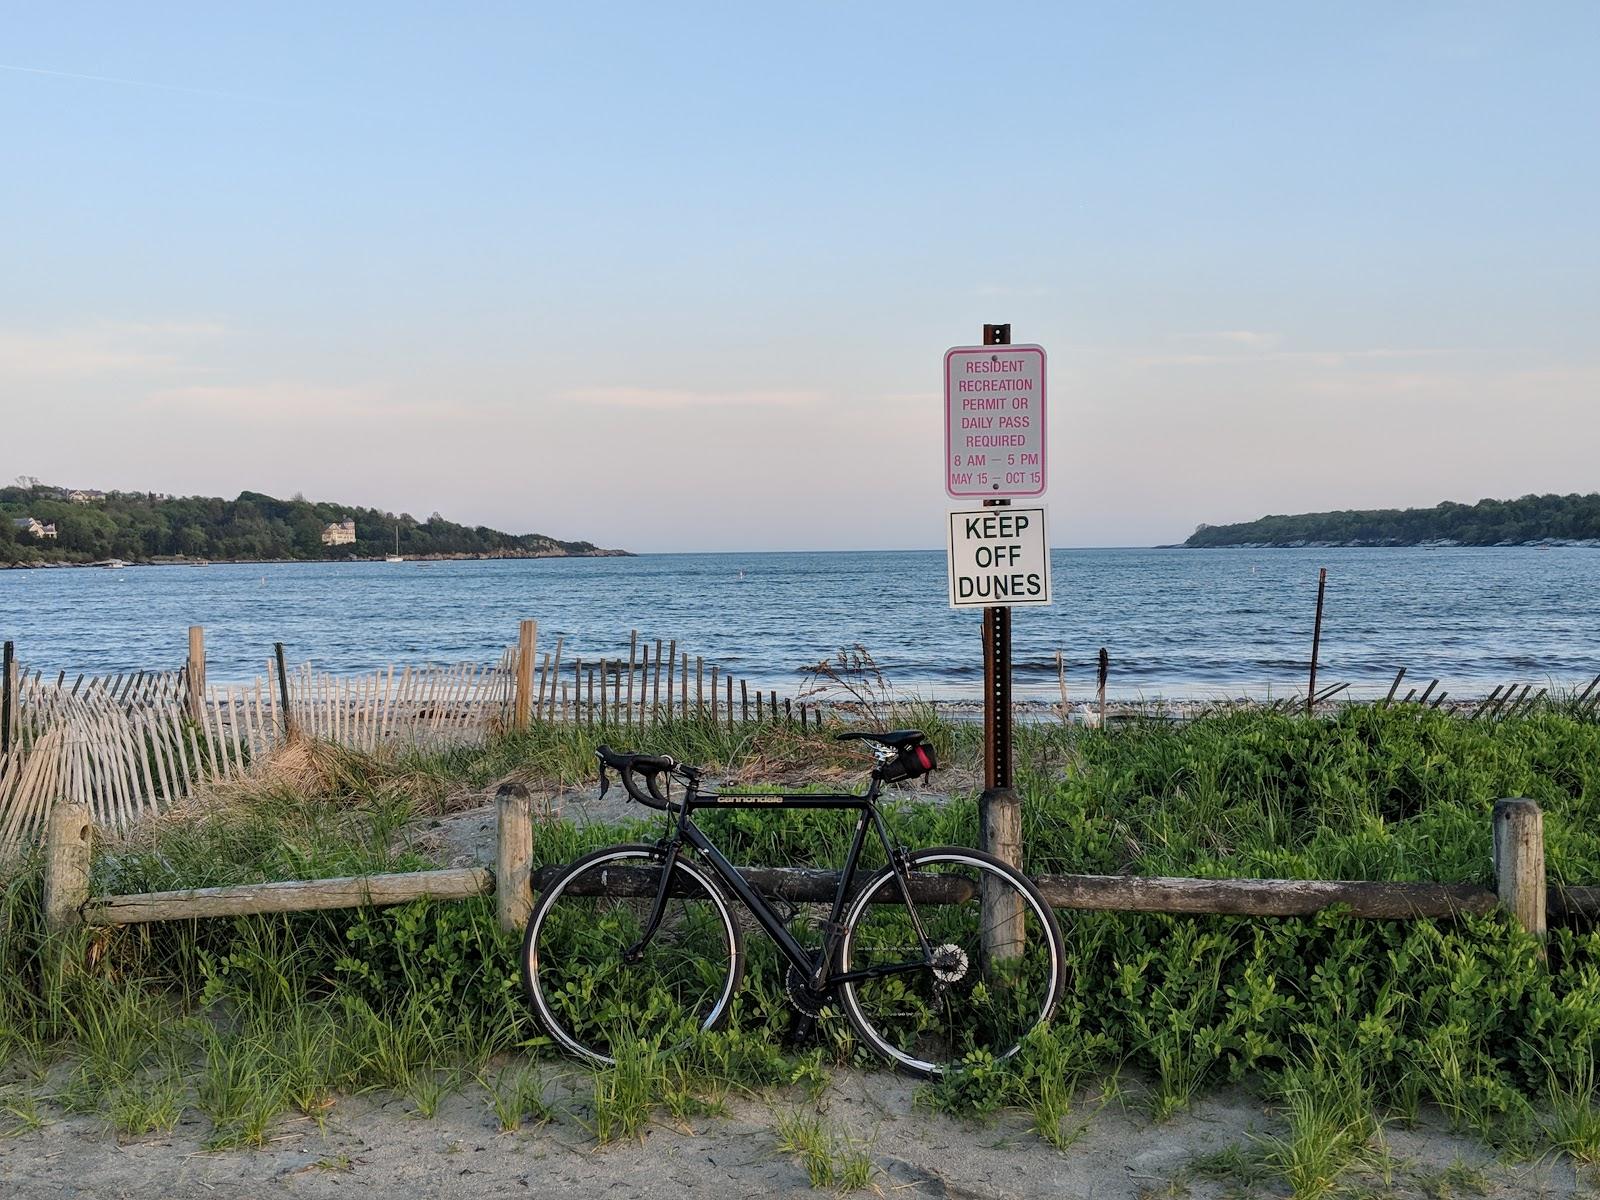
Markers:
point(997, 654)
point(999, 808)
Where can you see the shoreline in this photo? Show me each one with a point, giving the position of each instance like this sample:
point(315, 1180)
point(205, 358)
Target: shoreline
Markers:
point(110, 564)
point(1432, 544)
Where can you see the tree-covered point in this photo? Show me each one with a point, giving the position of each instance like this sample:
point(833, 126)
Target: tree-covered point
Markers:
point(1551, 518)
point(141, 526)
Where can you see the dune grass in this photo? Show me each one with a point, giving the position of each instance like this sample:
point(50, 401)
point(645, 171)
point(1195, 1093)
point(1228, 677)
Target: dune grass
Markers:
point(1340, 1024)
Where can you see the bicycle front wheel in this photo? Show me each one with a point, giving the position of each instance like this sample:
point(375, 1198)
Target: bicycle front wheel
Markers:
point(983, 994)
point(589, 997)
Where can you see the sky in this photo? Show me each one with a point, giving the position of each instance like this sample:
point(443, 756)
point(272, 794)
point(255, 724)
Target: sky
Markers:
point(681, 277)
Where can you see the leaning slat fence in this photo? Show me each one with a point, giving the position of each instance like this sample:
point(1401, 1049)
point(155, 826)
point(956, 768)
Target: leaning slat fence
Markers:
point(130, 744)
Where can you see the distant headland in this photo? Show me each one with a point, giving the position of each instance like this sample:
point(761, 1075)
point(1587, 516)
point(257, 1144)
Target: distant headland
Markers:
point(1551, 520)
point(43, 525)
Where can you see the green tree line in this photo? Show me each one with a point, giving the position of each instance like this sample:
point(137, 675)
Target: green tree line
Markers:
point(1487, 523)
point(139, 526)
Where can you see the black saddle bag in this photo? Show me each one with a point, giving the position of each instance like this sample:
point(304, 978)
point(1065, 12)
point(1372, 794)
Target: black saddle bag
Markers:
point(912, 761)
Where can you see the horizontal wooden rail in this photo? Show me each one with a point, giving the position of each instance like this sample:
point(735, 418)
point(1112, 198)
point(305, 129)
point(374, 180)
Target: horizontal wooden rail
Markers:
point(1574, 901)
point(306, 895)
point(799, 884)
point(1264, 897)
point(1115, 893)
point(1100, 893)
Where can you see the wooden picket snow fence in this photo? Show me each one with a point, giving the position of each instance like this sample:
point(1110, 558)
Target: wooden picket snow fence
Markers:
point(129, 745)
point(426, 707)
point(120, 756)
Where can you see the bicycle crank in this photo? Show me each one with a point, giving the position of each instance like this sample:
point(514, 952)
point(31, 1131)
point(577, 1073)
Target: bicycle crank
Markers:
point(805, 999)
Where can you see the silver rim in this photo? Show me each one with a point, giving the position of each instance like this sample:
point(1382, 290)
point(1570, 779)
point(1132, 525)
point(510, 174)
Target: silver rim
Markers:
point(848, 990)
point(548, 1018)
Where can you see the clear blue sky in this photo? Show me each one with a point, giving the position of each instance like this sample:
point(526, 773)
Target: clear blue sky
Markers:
point(680, 277)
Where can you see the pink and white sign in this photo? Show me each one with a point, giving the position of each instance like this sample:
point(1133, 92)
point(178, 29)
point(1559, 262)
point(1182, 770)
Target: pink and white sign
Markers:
point(994, 432)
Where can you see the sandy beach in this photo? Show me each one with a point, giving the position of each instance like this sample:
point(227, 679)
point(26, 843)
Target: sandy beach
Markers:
point(378, 1145)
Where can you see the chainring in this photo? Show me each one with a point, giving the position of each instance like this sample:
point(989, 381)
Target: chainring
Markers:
point(802, 997)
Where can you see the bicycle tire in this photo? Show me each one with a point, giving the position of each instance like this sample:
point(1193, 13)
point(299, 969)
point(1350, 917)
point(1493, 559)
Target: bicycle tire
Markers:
point(586, 997)
point(926, 1025)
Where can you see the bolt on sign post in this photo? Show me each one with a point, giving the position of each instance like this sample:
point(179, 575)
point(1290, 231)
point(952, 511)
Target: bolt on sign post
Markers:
point(999, 557)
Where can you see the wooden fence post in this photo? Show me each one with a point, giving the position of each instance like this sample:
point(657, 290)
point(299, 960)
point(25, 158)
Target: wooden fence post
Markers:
point(513, 899)
point(655, 690)
point(633, 656)
point(555, 675)
point(195, 670)
point(1000, 833)
point(69, 843)
point(8, 693)
point(527, 640)
point(283, 692)
point(1519, 862)
point(1103, 670)
point(1316, 643)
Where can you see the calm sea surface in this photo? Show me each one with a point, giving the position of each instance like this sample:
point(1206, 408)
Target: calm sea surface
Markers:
point(1177, 623)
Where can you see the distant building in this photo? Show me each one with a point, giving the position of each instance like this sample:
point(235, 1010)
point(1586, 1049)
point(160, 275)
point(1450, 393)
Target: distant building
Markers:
point(85, 496)
point(342, 534)
point(37, 528)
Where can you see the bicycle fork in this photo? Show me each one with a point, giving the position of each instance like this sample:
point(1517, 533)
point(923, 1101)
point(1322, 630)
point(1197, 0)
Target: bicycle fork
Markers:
point(658, 910)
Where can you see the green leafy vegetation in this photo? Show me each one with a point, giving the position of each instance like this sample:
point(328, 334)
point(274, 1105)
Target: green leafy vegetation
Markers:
point(1342, 1026)
point(1487, 523)
point(140, 526)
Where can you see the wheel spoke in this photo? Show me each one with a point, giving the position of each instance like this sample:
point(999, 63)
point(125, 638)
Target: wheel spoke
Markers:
point(588, 997)
point(929, 1020)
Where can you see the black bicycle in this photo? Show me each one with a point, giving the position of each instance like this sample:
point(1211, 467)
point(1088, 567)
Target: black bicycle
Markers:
point(939, 954)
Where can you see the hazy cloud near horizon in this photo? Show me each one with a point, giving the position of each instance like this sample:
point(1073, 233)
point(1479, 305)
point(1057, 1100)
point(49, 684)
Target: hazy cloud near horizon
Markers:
point(669, 282)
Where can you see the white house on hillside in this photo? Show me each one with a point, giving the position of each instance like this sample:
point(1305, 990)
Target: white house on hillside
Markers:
point(342, 534)
point(30, 525)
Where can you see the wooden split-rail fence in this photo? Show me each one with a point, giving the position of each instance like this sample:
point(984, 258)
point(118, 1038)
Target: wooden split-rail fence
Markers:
point(1520, 887)
point(131, 744)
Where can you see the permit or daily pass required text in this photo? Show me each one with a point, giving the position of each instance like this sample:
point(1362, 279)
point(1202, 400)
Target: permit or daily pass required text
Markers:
point(994, 421)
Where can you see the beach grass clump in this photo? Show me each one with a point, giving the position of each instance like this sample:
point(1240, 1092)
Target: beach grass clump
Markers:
point(516, 1095)
point(831, 1157)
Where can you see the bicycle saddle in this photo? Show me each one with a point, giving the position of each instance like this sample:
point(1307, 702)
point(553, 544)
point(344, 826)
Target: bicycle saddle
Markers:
point(895, 739)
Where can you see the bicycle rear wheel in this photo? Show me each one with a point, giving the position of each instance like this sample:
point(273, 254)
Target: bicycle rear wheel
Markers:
point(588, 998)
point(928, 1020)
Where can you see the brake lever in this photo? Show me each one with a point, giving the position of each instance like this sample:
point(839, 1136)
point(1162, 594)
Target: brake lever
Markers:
point(605, 781)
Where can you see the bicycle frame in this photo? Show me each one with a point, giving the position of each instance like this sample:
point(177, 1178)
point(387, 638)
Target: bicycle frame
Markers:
point(817, 970)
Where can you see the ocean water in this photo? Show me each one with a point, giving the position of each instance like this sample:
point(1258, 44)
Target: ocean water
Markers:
point(1177, 623)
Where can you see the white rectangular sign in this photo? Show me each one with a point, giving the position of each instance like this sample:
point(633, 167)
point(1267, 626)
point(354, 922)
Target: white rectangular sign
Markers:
point(999, 557)
point(994, 434)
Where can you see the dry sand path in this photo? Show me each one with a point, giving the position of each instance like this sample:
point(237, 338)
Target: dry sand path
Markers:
point(376, 1146)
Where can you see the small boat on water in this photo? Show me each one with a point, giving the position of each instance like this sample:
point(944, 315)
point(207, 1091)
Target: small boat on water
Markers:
point(113, 564)
point(395, 557)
